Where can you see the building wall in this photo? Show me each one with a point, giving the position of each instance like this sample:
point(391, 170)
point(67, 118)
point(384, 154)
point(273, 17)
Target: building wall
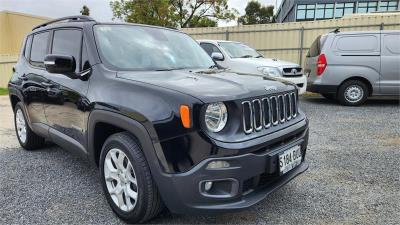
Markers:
point(13, 29)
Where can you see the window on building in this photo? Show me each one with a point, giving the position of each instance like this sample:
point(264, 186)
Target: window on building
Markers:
point(364, 7)
point(324, 11)
point(343, 9)
point(305, 12)
point(388, 6)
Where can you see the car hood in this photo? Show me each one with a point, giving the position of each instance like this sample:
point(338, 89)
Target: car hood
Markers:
point(209, 86)
point(258, 62)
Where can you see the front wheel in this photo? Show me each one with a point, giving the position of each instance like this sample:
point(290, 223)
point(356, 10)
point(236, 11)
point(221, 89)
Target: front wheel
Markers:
point(127, 181)
point(353, 93)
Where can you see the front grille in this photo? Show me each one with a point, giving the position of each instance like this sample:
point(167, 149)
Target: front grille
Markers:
point(292, 72)
point(262, 113)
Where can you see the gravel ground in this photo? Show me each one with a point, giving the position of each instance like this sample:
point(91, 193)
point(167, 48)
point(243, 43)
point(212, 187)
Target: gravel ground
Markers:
point(353, 177)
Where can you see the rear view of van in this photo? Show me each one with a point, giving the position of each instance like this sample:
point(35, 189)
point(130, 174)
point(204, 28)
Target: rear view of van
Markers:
point(351, 66)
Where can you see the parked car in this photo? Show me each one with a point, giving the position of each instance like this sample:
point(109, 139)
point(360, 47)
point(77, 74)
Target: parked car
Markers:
point(149, 107)
point(243, 59)
point(351, 66)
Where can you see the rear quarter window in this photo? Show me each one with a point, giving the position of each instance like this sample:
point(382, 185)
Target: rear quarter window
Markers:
point(316, 46)
point(358, 43)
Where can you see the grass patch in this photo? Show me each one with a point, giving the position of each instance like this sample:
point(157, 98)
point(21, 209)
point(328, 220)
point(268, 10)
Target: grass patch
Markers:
point(3, 91)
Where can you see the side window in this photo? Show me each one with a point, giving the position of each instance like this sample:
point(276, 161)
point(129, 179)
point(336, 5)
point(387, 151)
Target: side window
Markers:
point(210, 48)
point(39, 48)
point(391, 43)
point(68, 42)
point(364, 43)
point(27, 49)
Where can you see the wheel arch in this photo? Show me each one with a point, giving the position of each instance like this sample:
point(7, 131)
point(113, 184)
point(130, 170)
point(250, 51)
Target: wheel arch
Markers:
point(103, 123)
point(362, 79)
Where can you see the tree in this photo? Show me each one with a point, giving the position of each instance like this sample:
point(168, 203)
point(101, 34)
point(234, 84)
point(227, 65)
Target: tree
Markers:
point(202, 22)
point(85, 11)
point(175, 13)
point(257, 14)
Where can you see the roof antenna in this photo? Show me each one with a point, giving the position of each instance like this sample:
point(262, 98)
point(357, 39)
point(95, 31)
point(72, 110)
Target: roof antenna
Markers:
point(337, 30)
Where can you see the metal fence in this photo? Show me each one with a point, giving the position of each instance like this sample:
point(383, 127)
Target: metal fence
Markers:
point(6, 64)
point(291, 41)
point(287, 41)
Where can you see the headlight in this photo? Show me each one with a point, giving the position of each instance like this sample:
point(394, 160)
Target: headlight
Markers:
point(216, 116)
point(270, 71)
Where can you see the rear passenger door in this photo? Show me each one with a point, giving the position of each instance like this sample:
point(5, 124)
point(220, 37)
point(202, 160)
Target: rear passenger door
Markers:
point(357, 55)
point(390, 63)
point(33, 79)
point(67, 112)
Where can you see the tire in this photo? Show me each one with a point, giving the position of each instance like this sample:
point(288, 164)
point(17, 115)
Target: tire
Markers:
point(148, 203)
point(329, 96)
point(353, 93)
point(26, 137)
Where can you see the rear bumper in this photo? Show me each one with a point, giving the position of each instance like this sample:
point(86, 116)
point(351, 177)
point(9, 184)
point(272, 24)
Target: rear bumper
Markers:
point(322, 89)
point(250, 178)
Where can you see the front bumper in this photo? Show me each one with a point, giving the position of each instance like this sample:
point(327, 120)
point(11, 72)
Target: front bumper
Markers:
point(250, 178)
point(301, 82)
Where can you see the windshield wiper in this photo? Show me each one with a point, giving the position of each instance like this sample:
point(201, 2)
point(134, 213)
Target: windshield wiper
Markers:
point(260, 56)
point(213, 66)
point(247, 56)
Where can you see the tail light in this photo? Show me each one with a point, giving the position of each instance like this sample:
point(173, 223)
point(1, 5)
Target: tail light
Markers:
point(321, 64)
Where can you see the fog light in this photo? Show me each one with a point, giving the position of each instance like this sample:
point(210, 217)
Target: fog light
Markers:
point(217, 165)
point(208, 185)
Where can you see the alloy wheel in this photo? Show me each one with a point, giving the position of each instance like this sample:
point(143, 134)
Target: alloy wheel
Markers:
point(21, 125)
point(120, 180)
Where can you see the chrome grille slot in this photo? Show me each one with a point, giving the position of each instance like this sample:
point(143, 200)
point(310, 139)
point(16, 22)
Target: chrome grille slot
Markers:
point(269, 111)
point(247, 117)
point(266, 107)
point(281, 109)
point(274, 110)
point(257, 118)
point(288, 104)
point(294, 104)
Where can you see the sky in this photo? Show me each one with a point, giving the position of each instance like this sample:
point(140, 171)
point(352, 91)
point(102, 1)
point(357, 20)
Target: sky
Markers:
point(99, 9)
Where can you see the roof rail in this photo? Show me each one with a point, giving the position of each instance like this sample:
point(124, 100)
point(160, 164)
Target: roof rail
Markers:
point(67, 19)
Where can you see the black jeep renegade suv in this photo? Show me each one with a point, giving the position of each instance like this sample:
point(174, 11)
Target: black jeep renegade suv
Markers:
point(164, 124)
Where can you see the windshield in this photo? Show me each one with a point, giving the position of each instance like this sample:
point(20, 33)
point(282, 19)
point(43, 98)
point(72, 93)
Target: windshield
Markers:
point(133, 47)
point(239, 50)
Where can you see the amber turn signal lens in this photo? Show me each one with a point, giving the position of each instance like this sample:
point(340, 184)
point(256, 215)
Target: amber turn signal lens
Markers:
point(185, 116)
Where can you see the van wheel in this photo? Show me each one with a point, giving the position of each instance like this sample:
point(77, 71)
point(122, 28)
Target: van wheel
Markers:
point(26, 137)
point(353, 93)
point(329, 96)
point(127, 181)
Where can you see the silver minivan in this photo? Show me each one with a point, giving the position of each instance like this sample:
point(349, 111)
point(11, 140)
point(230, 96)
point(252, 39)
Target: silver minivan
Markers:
point(351, 66)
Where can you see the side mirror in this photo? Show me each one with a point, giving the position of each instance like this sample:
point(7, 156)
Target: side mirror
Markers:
point(61, 64)
point(217, 56)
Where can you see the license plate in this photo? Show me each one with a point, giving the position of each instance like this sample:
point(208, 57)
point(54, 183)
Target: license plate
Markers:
point(289, 159)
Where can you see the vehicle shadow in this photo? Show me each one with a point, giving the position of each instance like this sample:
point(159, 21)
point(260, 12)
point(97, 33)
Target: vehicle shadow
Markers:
point(375, 101)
